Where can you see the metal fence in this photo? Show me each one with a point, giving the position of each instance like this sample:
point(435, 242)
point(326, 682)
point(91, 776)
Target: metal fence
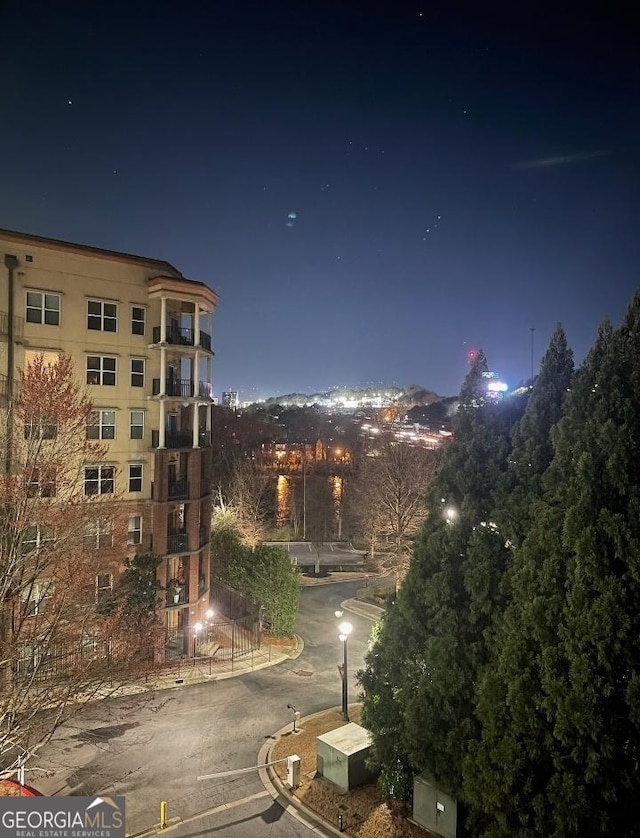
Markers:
point(234, 631)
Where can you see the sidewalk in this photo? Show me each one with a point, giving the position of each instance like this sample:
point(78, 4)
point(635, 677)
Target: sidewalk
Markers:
point(207, 669)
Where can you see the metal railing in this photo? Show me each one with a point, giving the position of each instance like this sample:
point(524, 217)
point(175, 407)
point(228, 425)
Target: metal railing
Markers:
point(177, 542)
point(182, 337)
point(178, 490)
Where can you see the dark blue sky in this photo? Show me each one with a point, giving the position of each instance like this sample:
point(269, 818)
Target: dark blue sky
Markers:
point(458, 174)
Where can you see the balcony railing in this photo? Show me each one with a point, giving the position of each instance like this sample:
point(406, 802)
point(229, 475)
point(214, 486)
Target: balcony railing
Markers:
point(203, 536)
point(178, 490)
point(177, 595)
point(181, 439)
point(177, 542)
point(182, 337)
point(182, 388)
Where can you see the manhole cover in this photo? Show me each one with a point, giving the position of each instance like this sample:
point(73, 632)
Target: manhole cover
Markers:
point(305, 672)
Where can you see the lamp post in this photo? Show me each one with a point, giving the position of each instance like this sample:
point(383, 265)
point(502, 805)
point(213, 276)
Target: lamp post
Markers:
point(345, 630)
point(196, 631)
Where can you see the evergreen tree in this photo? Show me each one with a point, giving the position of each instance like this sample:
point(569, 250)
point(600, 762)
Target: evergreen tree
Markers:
point(559, 750)
point(432, 640)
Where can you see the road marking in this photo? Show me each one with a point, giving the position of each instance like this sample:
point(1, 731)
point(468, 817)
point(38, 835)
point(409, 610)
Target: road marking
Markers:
point(223, 807)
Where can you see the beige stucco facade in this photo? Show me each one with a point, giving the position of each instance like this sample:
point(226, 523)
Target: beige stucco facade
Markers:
point(139, 335)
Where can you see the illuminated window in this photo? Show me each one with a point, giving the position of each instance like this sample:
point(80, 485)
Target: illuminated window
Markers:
point(101, 369)
point(43, 308)
point(136, 424)
point(101, 424)
point(102, 317)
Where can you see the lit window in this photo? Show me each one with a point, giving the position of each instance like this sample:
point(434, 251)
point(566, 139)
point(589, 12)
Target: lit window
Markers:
point(43, 308)
point(101, 424)
point(137, 320)
point(136, 424)
point(99, 480)
point(101, 369)
point(134, 533)
point(135, 477)
point(102, 317)
point(137, 372)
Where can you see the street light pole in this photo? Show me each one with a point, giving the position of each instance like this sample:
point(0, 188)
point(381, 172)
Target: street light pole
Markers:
point(345, 631)
point(304, 491)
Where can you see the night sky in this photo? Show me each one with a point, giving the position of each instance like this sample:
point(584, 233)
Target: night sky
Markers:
point(372, 188)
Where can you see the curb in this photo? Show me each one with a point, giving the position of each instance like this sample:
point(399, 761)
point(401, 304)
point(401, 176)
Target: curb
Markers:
point(281, 795)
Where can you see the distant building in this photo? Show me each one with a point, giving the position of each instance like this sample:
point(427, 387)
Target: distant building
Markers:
point(139, 335)
point(230, 399)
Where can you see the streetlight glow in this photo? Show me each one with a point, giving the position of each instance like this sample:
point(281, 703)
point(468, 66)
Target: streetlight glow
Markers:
point(345, 629)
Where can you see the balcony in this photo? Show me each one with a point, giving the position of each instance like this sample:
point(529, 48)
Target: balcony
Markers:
point(177, 594)
point(181, 439)
point(182, 388)
point(183, 337)
point(178, 490)
point(177, 542)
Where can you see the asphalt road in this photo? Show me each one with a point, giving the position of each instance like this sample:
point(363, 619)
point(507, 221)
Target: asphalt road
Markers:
point(152, 747)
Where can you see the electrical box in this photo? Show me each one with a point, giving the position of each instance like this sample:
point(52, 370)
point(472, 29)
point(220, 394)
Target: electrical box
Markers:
point(293, 771)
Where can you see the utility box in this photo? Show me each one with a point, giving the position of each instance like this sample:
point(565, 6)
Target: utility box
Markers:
point(293, 771)
point(341, 755)
point(433, 807)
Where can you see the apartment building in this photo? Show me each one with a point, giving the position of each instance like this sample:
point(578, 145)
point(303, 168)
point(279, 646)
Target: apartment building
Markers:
point(139, 334)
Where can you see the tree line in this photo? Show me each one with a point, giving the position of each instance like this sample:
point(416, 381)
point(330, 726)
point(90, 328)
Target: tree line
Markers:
point(509, 666)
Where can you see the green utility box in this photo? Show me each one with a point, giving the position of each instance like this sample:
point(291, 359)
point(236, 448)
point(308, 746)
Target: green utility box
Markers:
point(341, 755)
point(433, 807)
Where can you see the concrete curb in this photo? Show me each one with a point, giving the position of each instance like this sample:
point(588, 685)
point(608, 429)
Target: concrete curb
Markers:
point(283, 796)
point(363, 609)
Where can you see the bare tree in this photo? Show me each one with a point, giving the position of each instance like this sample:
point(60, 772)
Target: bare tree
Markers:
point(388, 498)
point(52, 501)
point(249, 498)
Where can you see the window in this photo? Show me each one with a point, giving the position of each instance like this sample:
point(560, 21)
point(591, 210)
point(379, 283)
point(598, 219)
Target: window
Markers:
point(43, 308)
point(135, 477)
point(35, 537)
point(98, 534)
point(35, 595)
point(137, 320)
point(104, 586)
point(101, 369)
point(40, 428)
point(101, 424)
point(99, 480)
point(137, 372)
point(136, 424)
point(134, 533)
point(40, 483)
point(103, 317)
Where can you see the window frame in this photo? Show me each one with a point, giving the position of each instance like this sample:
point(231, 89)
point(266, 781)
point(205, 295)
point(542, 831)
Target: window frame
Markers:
point(42, 308)
point(98, 534)
point(101, 372)
point(101, 319)
point(136, 321)
point(134, 374)
point(132, 531)
point(136, 480)
point(100, 481)
point(136, 425)
point(108, 587)
point(100, 425)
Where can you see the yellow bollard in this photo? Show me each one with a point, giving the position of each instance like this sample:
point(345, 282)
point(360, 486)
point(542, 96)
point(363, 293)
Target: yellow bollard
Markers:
point(163, 814)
